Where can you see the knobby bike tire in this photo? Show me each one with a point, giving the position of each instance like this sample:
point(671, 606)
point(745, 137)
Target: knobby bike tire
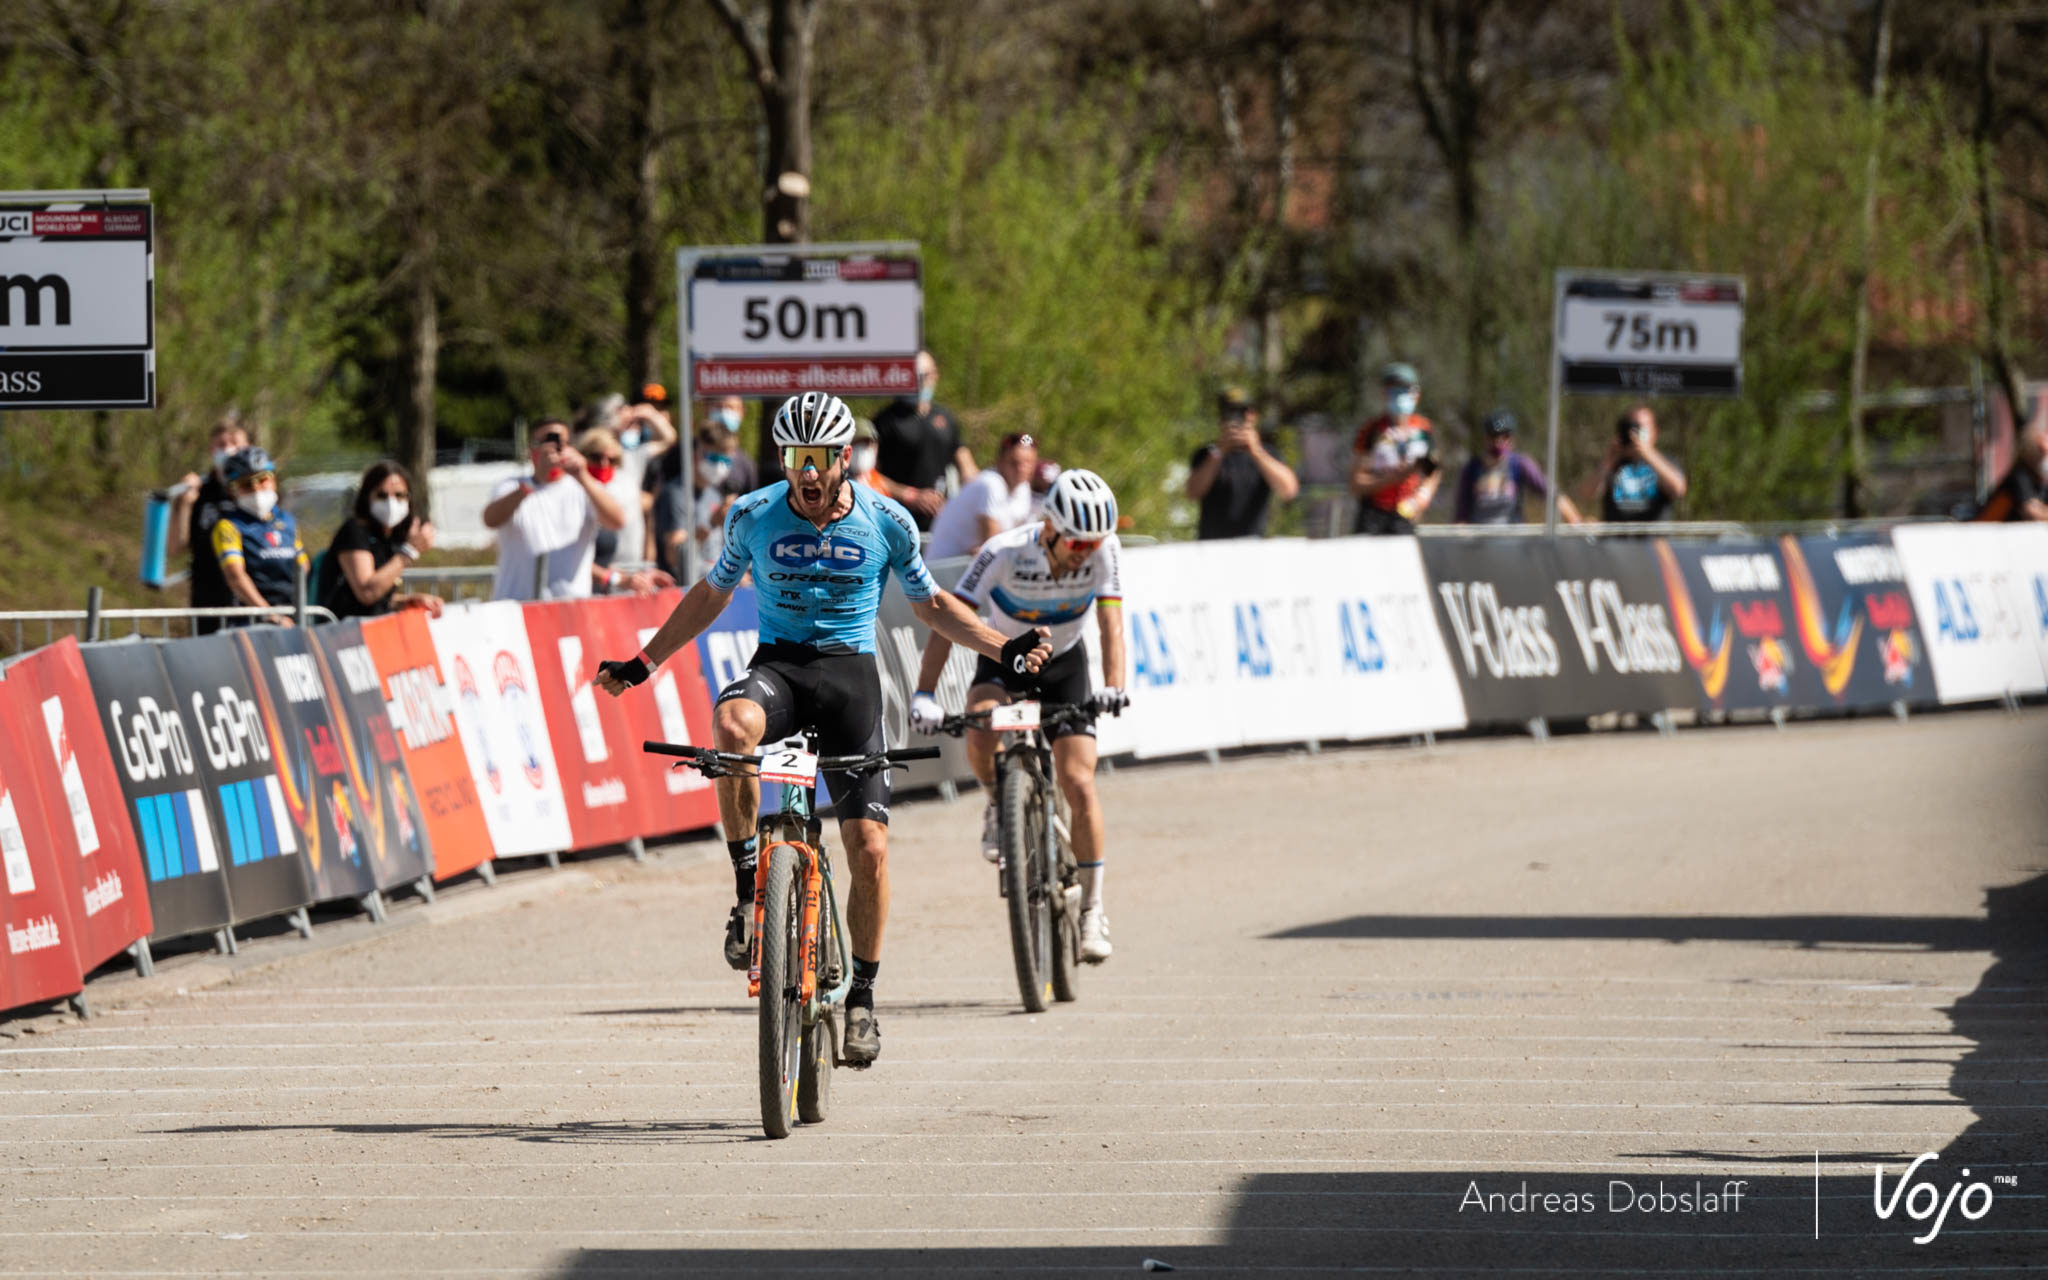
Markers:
point(1066, 922)
point(781, 1012)
point(1023, 882)
point(814, 1075)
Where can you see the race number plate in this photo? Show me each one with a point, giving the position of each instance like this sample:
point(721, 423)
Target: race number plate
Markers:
point(789, 766)
point(1017, 717)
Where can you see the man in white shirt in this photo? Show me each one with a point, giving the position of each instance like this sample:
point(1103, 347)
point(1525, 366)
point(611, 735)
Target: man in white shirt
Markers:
point(997, 499)
point(554, 513)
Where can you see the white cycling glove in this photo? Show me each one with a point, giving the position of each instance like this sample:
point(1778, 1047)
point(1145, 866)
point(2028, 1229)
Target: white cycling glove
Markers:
point(1111, 701)
point(926, 715)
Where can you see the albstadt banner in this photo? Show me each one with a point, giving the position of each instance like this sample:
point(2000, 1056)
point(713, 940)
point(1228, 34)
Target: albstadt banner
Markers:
point(420, 708)
point(162, 787)
point(82, 803)
point(258, 844)
point(380, 785)
point(311, 772)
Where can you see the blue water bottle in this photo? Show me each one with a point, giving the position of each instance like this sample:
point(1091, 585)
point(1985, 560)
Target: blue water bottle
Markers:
point(156, 536)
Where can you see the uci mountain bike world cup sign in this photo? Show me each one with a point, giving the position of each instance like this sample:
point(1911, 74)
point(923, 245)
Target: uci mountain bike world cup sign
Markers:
point(770, 322)
point(1649, 335)
point(77, 295)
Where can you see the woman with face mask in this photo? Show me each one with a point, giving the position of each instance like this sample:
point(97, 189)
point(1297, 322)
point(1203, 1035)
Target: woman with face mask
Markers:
point(361, 574)
point(255, 543)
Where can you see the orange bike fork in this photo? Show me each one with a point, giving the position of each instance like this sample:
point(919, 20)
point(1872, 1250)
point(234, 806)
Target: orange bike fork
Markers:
point(807, 944)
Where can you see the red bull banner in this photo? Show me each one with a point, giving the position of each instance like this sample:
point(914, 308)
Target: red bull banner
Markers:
point(592, 732)
point(674, 706)
point(312, 772)
point(40, 959)
point(489, 665)
point(84, 814)
point(1854, 620)
point(419, 707)
point(380, 785)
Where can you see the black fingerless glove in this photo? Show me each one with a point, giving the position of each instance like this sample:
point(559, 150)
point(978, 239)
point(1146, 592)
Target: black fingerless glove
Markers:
point(629, 673)
point(1015, 651)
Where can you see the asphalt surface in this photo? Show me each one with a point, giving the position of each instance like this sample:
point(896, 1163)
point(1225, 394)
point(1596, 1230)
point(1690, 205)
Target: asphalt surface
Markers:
point(1390, 1010)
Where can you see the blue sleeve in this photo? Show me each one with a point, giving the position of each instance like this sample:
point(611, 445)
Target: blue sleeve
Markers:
point(901, 537)
point(1529, 474)
point(736, 554)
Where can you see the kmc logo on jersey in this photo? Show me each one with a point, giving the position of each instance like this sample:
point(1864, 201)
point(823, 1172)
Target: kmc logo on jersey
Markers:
point(799, 551)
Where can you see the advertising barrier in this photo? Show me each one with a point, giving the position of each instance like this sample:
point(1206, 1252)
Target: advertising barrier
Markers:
point(258, 844)
point(162, 788)
point(40, 960)
point(2026, 547)
point(675, 706)
point(489, 665)
point(380, 785)
point(420, 707)
point(590, 729)
point(1972, 608)
point(83, 809)
point(1855, 620)
point(311, 773)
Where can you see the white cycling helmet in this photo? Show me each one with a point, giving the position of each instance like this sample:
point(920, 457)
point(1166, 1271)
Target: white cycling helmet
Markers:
point(1080, 505)
point(815, 417)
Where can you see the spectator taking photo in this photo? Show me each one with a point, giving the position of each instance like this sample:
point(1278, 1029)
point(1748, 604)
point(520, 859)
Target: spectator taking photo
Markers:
point(1236, 478)
point(550, 517)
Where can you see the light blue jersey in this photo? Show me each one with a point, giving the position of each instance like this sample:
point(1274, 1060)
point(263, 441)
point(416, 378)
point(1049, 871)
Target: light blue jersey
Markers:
point(820, 588)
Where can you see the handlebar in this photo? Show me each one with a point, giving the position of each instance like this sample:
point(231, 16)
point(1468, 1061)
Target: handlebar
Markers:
point(725, 764)
point(1049, 713)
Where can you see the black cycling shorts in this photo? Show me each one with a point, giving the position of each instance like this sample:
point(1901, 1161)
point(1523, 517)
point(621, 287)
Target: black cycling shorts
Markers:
point(1063, 679)
point(837, 694)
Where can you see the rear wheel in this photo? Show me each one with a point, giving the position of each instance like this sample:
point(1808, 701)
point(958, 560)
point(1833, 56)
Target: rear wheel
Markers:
point(814, 1076)
point(781, 1012)
point(1066, 925)
point(1024, 852)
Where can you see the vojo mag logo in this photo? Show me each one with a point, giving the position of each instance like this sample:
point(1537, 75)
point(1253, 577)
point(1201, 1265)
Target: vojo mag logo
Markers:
point(802, 551)
point(1923, 1202)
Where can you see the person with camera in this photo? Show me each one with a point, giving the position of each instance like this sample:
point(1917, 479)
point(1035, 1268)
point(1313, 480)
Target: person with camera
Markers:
point(1638, 484)
point(1394, 472)
point(549, 517)
point(1236, 478)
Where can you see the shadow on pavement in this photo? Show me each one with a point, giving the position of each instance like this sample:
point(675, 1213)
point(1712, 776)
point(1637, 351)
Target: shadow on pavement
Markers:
point(1926, 933)
point(1599, 1222)
point(575, 1132)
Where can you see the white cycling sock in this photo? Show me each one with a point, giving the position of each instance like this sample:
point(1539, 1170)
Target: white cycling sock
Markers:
point(1091, 884)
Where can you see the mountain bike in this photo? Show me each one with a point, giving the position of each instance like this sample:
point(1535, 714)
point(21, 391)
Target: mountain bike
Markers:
point(1036, 873)
point(801, 967)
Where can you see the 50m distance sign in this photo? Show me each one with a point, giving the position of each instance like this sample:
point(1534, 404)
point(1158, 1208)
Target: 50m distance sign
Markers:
point(1653, 335)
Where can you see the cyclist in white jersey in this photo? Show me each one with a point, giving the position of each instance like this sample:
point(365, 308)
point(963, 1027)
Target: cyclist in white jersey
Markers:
point(1048, 576)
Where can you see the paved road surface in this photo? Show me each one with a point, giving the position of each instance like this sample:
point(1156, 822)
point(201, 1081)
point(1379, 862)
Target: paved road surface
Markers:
point(1360, 1002)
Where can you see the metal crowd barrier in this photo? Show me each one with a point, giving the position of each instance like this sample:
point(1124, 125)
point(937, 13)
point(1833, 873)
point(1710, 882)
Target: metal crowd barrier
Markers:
point(89, 623)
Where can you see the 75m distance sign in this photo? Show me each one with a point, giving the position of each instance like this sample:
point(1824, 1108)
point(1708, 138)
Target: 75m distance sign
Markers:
point(1650, 335)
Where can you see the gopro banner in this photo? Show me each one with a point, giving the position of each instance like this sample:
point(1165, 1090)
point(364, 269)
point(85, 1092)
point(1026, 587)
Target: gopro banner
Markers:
point(311, 773)
point(162, 788)
point(1974, 609)
point(420, 708)
point(1854, 620)
point(40, 959)
point(257, 843)
point(82, 803)
point(484, 651)
point(380, 786)
point(590, 729)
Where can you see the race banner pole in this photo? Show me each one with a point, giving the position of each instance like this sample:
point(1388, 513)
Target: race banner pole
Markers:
point(1550, 477)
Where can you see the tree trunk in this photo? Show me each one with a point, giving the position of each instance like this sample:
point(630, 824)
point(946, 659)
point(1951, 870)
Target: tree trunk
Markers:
point(786, 208)
point(1998, 344)
point(643, 254)
point(1855, 477)
point(416, 427)
point(1286, 88)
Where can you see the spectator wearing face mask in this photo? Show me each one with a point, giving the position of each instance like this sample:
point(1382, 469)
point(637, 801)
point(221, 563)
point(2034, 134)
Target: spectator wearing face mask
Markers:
point(199, 506)
point(918, 440)
point(605, 458)
point(1495, 484)
point(2023, 493)
point(1394, 471)
point(362, 574)
point(861, 466)
point(997, 499)
point(550, 516)
point(728, 413)
point(256, 544)
point(642, 433)
point(714, 451)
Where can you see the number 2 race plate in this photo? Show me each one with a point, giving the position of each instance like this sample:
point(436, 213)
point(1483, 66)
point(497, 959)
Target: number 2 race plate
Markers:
point(790, 767)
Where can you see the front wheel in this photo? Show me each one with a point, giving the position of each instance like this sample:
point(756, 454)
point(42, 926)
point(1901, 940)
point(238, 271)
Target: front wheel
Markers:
point(782, 1013)
point(1021, 823)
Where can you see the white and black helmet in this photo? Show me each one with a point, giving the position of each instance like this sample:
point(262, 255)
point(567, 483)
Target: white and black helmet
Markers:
point(815, 417)
point(1080, 505)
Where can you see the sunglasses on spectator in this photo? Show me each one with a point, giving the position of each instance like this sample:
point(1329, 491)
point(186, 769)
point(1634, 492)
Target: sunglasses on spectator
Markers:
point(820, 457)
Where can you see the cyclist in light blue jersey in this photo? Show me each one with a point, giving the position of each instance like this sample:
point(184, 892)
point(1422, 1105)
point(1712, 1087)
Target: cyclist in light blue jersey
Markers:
point(818, 548)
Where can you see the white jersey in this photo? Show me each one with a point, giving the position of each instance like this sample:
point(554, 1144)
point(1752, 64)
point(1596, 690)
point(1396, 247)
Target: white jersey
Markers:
point(1014, 577)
